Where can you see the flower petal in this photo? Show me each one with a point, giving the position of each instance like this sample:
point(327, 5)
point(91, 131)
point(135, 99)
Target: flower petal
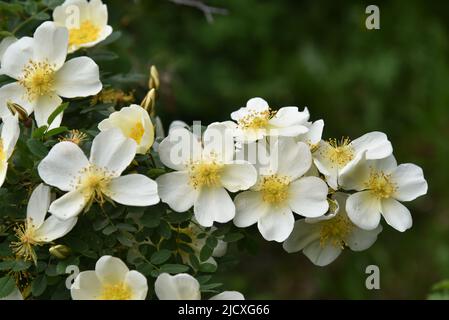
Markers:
point(14, 93)
point(218, 143)
point(138, 285)
point(396, 214)
point(10, 134)
point(3, 171)
point(175, 189)
point(87, 286)
point(45, 106)
point(303, 234)
point(61, 167)
point(364, 210)
point(4, 44)
point(410, 182)
point(178, 287)
point(277, 224)
point(291, 117)
point(54, 228)
point(50, 44)
point(111, 270)
point(79, 77)
point(179, 148)
point(38, 205)
point(308, 197)
point(321, 256)
point(17, 56)
point(228, 295)
point(239, 175)
point(360, 239)
point(293, 158)
point(133, 190)
point(69, 205)
point(213, 204)
point(113, 151)
point(375, 144)
point(249, 208)
point(355, 175)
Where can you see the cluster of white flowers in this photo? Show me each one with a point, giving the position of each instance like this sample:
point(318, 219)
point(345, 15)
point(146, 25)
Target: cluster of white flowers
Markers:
point(275, 160)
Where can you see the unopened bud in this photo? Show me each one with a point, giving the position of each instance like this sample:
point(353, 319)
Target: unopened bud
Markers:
point(60, 251)
point(149, 101)
point(153, 82)
point(15, 108)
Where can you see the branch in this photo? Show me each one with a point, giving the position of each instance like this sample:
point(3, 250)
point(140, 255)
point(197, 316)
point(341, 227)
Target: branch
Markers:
point(208, 11)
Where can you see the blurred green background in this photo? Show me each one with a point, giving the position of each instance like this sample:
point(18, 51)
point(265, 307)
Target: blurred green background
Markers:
point(317, 54)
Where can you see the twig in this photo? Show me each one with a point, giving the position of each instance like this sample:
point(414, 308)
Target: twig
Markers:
point(208, 11)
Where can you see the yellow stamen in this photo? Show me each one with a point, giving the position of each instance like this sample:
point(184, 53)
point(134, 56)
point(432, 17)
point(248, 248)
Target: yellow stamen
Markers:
point(335, 231)
point(94, 183)
point(23, 248)
point(137, 132)
point(340, 152)
point(256, 119)
point(205, 174)
point(118, 291)
point(38, 79)
point(381, 185)
point(75, 136)
point(275, 189)
point(87, 32)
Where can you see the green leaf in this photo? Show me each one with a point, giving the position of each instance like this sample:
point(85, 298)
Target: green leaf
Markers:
point(109, 230)
point(210, 286)
point(165, 230)
point(41, 16)
point(125, 240)
point(206, 253)
point(4, 33)
point(178, 217)
point(100, 224)
point(55, 131)
point(103, 55)
point(39, 132)
point(39, 285)
point(7, 285)
point(21, 265)
point(37, 148)
point(155, 172)
point(151, 219)
point(7, 265)
point(208, 267)
point(174, 268)
point(57, 111)
point(112, 38)
point(212, 242)
point(126, 227)
point(232, 237)
point(160, 257)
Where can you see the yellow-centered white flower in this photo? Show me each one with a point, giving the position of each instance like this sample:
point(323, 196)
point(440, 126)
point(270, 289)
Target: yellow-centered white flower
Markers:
point(97, 179)
point(135, 123)
point(87, 22)
point(281, 190)
point(43, 76)
point(4, 44)
point(324, 238)
point(10, 132)
point(111, 280)
point(313, 136)
point(185, 287)
point(334, 157)
point(204, 171)
point(37, 230)
point(380, 185)
point(258, 120)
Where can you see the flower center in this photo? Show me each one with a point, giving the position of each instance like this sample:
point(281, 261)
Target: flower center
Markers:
point(118, 291)
point(380, 185)
point(335, 231)
point(23, 248)
point(38, 79)
point(340, 152)
point(256, 119)
point(87, 32)
point(205, 174)
point(275, 189)
point(94, 183)
point(137, 132)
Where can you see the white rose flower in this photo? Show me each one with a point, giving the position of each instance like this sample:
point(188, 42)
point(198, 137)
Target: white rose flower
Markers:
point(38, 64)
point(4, 44)
point(10, 132)
point(257, 120)
point(323, 239)
point(135, 123)
point(111, 280)
point(185, 287)
point(204, 171)
point(281, 189)
point(37, 230)
point(97, 179)
point(313, 136)
point(333, 157)
point(381, 184)
point(87, 22)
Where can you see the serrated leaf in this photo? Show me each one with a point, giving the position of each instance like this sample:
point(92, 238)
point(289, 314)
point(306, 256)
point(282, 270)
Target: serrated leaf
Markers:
point(7, 286)
point(160, 256)
point(39, 285)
